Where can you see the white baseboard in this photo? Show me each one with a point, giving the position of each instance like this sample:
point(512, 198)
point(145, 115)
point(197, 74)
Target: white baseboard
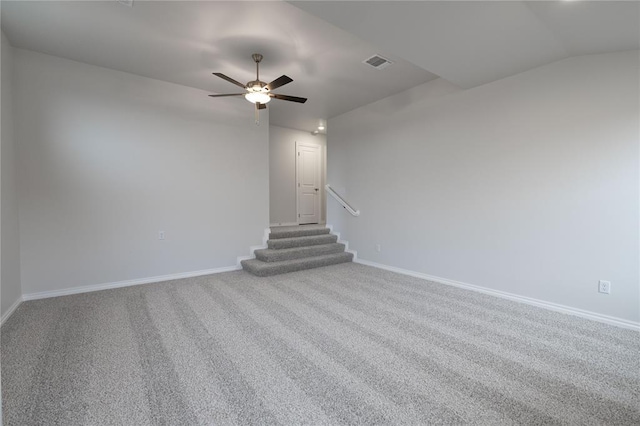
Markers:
point(11, 310)
point(291, 224)
point(284, 224)
point(265, 238)
point(619, 322)
point(127, 283)
point(250, 256)
point(345, 242)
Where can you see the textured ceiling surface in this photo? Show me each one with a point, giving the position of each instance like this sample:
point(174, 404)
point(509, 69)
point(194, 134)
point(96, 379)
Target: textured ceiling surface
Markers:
point(184, 42)
point(475, 42)
point(321, 44)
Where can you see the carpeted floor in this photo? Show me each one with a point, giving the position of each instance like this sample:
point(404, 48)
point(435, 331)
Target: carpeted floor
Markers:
point(345, 344)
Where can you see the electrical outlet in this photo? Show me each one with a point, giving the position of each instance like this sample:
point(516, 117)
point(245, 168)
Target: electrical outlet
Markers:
point(161, 235)
point(378, 248)
point(604, 287)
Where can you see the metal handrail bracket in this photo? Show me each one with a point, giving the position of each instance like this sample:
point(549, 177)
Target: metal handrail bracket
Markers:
point(341, 200)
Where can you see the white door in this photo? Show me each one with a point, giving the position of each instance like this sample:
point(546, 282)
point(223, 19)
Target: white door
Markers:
point(308, 183)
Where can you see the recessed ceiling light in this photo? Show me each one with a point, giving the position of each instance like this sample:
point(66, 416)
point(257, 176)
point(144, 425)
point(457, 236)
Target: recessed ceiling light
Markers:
point(321, 127)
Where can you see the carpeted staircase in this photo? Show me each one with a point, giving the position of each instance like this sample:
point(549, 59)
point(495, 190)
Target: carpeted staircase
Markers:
point(294, 248)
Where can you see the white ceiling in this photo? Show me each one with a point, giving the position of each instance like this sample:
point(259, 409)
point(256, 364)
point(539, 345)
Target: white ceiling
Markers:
point(475, 42)
point(184, 42)
point(320, 44)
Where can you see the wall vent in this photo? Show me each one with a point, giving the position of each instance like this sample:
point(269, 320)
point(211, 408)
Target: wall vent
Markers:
point(378, 62)
point(126, 2)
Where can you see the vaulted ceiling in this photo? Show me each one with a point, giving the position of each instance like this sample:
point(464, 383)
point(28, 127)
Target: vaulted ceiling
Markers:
point(475, 42)
point(321, 45)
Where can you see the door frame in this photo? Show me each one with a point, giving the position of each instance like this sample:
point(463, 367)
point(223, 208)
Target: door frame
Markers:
point(320, 179)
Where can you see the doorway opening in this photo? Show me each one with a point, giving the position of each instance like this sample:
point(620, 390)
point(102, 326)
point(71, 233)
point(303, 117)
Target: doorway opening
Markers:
point(308, 183)
point(297, 175)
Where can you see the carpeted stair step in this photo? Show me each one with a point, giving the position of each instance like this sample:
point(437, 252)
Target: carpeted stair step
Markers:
point(264, 269)
point(295, 248)
point(312, 240)
point(300, 231)
point(272, 255)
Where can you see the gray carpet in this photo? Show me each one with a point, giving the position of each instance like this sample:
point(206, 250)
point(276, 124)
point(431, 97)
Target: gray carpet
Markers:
point(345, 344)
point(296, 248)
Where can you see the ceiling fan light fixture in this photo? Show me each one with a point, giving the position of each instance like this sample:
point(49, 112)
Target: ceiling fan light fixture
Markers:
point(258, 92)
point(257, 97)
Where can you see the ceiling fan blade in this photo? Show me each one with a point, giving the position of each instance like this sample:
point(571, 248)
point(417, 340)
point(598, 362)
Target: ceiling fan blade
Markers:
point(278, 82)
point(229, 79)
point(288, 98)
point(227, 94)
point(261, 106)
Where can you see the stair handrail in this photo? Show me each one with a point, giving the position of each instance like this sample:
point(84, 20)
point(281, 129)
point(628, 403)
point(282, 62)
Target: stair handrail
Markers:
point(341, 200)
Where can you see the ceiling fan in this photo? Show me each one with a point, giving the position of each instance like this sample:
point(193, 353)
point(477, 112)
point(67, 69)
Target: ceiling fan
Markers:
point(259, 92)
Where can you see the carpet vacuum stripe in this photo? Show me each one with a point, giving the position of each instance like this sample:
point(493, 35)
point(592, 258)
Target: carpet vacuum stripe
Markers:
point(337, 345)
point(497, 362)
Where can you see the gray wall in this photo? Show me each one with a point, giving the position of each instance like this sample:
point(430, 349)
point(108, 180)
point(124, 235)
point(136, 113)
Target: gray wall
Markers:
point(10, 250)
point(282, 172)
point(108, 159)
point(527, 185)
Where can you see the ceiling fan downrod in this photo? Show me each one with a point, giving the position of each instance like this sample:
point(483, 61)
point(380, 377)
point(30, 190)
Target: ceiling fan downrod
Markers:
point(258, 92)
point(257, 58)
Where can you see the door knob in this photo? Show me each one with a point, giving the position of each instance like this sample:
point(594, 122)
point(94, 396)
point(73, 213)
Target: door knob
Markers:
point(316, 189)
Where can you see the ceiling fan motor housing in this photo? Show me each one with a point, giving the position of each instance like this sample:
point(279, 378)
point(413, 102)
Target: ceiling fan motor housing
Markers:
point(259, 92)
point(257, 86)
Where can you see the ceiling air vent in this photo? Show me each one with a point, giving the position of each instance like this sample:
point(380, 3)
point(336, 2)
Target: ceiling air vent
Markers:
point(378, 62)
